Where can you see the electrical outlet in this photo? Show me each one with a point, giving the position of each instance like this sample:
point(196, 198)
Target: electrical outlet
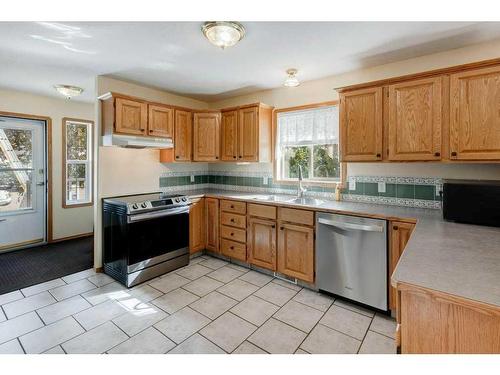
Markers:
point(265, 180)
point(352, 184)
point(381, 187)
point(192, 178)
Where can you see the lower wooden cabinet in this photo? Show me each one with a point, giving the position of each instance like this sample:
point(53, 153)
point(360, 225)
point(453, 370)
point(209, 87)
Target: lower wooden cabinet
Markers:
point(233, 249)
point(212, 224)
point(261, 243)
point(431, 322)
point(197, 226)
point(296, 251)
point(400, 233)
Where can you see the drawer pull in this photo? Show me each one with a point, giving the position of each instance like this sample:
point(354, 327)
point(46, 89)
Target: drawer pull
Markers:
point(395, 227)
point(232, 206)
point(453, 153)
point(232, 220)
point(273, 226)
point(281, 228)
point(231, 247)
point(437, 154)
point(232, 234)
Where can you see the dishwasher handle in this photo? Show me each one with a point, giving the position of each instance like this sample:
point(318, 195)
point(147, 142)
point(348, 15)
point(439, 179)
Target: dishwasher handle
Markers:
point(351, 226)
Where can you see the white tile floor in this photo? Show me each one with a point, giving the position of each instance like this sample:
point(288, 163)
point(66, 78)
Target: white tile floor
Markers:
point(210, 306)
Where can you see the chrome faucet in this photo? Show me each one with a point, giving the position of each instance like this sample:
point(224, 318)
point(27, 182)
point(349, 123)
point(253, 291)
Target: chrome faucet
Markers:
point(300, 189)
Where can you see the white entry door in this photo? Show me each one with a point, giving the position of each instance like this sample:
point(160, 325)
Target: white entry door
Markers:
point(23, 190)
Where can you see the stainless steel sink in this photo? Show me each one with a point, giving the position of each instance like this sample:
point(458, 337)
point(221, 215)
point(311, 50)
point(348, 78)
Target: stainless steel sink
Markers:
point(271, 198)
point(306, 200)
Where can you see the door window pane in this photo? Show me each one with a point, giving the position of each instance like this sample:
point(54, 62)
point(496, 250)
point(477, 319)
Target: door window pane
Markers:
point(15, 190)
point(16, 148)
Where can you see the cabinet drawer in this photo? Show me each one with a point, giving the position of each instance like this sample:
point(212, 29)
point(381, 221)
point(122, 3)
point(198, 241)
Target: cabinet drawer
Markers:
point(233, 220)
point(260, 210)
point(234, 249)
point(293, 215)
point(233, 234)
point(233, 206)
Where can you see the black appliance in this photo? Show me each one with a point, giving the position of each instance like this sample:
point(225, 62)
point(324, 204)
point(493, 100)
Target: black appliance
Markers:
point(472, 202)
point(145, 236)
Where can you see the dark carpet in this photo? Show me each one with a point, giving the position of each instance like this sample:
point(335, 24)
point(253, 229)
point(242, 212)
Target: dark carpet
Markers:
point(23, 268)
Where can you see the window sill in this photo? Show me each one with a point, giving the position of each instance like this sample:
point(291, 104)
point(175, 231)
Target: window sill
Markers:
point(77, 205)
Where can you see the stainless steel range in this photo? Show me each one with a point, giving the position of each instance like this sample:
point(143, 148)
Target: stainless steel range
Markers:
point(145, 236)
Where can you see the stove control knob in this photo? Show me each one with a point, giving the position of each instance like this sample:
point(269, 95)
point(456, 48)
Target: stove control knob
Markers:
point(135, 206)
point(143, 205)
point(184, 199)
point(177, 200)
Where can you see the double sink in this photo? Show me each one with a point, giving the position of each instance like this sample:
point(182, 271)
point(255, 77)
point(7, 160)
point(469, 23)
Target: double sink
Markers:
point(285, 199)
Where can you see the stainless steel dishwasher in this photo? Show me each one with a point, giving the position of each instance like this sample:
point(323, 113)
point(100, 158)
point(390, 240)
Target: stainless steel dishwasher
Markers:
point(351, 258)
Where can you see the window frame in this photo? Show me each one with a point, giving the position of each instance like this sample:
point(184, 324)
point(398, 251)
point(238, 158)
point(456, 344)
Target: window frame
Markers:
point(90, 170)
point(324, 182)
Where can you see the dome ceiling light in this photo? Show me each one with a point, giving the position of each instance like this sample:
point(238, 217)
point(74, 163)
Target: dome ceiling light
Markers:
point(223, 34)
point(68, 91)
point(291, 80)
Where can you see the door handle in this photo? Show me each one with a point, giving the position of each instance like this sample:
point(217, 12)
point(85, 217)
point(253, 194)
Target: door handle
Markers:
point(3, 220)
point(40, 183)
point(350, 226)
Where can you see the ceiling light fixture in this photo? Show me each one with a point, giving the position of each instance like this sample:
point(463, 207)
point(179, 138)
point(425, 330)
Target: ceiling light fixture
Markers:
point(223, 33)
point(68, 91)
point(291, 80)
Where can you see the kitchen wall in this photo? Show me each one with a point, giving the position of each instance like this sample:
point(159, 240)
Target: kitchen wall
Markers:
point(129, 171)
point(66, 221)
point(323, 90)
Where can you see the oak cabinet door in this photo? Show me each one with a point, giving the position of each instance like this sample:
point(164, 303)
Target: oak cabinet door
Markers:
point(131, 117)
point(261, 243)
point(160, 121)
point(182, 138)
point(197, 226)
point(296, 251)
point(206, 143)
point(475, 115)
point(415, 120)
point(229, 136)
point(361, 125)
point(399, 235)
point(212, 225)
point(248, 134)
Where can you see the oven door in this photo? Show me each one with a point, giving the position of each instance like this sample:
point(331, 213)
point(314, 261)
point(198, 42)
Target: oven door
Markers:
point(154, 237)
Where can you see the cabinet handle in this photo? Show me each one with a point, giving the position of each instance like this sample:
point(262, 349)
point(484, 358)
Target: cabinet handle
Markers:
point(281, 228)
point(232, 234)
point(273, 226)
point(378, 155)
point(232, 220)
point(240, 156)
point(177, 156)
point(395, 227)
point(437, 154)
point(234, 157)
point(232, 247)
point(232, 206)
point(150, 130)
point(453, 153)
point(216, 157)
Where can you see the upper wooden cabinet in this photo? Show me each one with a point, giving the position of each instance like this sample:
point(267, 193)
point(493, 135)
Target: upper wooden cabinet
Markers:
point(475, 114)
point(361, 125)
point(415, 120)
point(183, 126)
point(131, 117)
point(229, 136)
point(160, 121)
point(246, 134)
point(449, 114)
point(206, 136)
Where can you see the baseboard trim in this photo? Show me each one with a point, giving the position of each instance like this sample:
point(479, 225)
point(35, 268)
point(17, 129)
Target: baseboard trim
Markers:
point(72, 237)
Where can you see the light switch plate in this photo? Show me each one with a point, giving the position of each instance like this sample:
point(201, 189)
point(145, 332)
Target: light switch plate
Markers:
point(265, 180)
point(381, 187)
point(192, 178)
point(352, 184)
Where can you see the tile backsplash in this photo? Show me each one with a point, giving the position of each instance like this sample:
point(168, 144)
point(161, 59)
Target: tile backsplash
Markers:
point(399, 191)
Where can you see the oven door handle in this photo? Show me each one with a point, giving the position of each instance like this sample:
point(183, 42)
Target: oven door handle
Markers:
point(157, 214)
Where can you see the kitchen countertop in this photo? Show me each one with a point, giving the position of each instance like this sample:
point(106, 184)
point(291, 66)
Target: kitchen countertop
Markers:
point(459, 259)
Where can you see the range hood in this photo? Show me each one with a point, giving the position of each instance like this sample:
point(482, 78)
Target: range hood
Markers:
point(130, 141)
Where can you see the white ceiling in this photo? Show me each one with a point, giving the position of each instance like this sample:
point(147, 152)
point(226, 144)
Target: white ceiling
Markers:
point(176, 57)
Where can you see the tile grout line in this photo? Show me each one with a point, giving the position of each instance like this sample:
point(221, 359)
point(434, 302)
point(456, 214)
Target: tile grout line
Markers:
point(20, 344)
